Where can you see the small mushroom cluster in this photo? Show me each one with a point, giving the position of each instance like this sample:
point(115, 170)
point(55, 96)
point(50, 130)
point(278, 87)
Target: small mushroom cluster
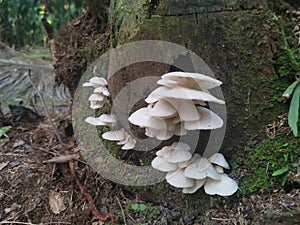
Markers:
point(177, 106)
point(192, 172)
point(97, 100)
point(101, 93)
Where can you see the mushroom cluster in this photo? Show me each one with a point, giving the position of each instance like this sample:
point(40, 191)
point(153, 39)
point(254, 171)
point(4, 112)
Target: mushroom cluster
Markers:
point(101, 93)
point(99, 97)
point(177, 106)
point(192, 172)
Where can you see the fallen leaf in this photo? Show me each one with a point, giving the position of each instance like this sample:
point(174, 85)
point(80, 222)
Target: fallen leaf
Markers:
point(18, 143)
point(3, 165)
point(56, 202)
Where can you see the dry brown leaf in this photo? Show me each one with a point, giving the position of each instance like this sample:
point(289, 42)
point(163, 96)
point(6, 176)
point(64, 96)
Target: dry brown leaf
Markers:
point(56, 202)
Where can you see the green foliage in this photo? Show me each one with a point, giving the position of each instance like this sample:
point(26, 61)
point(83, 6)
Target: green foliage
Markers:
point(139, 207)
point(269, 163)
point(3, 130)
point(293, 115)
point(21, 19)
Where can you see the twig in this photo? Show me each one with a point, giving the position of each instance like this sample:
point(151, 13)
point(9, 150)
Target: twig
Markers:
point(220, 219)
point(89, 198)
point(123, 214)
point(47, 111)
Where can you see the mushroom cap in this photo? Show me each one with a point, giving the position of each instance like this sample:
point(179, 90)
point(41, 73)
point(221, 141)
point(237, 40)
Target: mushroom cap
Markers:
point(201, 169)
point(180, 146)
point(108, 118)
point(177, 152)
point(155, 94)
point(184, 164)
point(98, 80)
point(185, 108)
point(208, 120)
point(126, 138)
point(178, 155)
point(114, 135)
point(95, 82)
point(164, 134)
point(161, 108)
point(128, 145)
point(161, 164)
point(167, 83)
point(198, 184)
point(102, 90)
point(95, 121)
point(203, 81)
point(140, 117)
point(96, 104)
point(177, 179)
point(224, 187)
point(219, 159)
point(165, 150)
point(96, 97)
point(186, 93)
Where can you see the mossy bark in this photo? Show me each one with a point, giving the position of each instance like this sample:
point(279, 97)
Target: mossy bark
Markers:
point(235, 38)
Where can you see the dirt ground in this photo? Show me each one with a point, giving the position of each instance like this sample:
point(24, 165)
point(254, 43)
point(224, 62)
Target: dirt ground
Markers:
point(43, 182)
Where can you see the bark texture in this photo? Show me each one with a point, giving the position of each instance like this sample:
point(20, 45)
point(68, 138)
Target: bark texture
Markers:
point(237, 39)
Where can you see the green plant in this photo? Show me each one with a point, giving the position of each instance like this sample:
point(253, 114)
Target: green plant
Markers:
point(293, 116)
point(139, 207)
point(3, 130)
point(270, 163)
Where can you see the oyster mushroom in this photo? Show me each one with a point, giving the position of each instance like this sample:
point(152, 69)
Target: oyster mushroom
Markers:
point(223, 187)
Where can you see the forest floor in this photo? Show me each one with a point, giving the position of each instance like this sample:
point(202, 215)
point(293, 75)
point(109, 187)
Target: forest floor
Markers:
point(43, 182)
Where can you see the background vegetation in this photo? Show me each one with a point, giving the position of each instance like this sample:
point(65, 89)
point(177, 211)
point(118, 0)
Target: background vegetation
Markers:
point(20, 20)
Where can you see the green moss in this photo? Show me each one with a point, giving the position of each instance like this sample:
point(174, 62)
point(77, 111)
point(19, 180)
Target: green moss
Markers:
point(265, 159)
point(161, 189)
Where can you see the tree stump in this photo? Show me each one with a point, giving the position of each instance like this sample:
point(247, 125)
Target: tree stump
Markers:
point(237, 39)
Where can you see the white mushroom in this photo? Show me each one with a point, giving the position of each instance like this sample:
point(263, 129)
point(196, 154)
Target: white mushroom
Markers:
point(161, 164)
point(219, 159)
point(178, 179)
point(140, 117)
point(102, 90)
point(201, 169)
point(186, 93)
point(128, 145)
point(167, 83)
point(208, 120)
point(186, 163)
point(177, 152)
point(113, 135)
point(224, 187)
point(155, 95)
point(192, 80)
point(161, 108)
point(95, 82)
point(96, 101)
point(95, 121)
point(185, 108)
point(104, 120)
point(198, 184)
point(108, 118)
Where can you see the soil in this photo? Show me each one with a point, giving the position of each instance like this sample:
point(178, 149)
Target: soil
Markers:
point(43, 182)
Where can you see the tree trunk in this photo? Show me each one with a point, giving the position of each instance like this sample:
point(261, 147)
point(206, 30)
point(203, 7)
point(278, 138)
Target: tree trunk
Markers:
point(237, 39)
